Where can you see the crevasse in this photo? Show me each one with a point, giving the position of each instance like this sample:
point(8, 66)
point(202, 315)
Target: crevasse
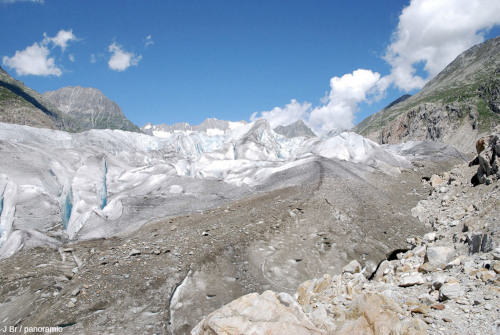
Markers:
point(104, 189)
point(66, 208)
point(1, 209)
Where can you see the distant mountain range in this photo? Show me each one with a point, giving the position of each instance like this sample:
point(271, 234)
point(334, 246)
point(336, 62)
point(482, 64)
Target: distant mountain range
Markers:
point(210, 126)
point(72, 109)
point(213, 127)
point(459, 105)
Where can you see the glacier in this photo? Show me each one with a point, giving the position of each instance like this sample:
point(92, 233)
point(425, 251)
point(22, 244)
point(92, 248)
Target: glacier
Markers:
point(56, 186)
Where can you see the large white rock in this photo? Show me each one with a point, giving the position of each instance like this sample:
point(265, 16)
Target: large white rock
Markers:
point(450, 291)
point(439, 256)
point(269, 313)
point(412, 279)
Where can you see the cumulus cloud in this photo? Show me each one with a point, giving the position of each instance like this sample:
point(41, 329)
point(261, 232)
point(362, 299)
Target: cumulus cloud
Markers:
point(429, 35)
point(35, 59)
point(61, 40)
point(337, 109)
point(432, 33)
point(120, 59)
point(284, 116)
point(148, 41)
point(341, 104)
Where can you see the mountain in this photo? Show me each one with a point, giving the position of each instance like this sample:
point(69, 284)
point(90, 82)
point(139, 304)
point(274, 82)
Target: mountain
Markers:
point(210, 126)
point(90, 108)
point(459, 105)
point(70, 109)
point(20, 104)
point(296, 129)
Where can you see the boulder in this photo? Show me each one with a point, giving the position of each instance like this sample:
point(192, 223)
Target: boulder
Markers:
point(268, 313)
point(412, 279)
point(352, 267)
point(488, 160)
point(436, 181)
point(307, 290)
point(378, 314)
point(439, 256)
point(449, 291)
point(430, 237)
point(480, 242)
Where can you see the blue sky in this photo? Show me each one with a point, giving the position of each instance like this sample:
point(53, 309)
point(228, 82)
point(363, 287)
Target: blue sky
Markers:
point(330, 63)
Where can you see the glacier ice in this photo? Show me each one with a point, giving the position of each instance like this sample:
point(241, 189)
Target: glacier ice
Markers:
point(102, 183)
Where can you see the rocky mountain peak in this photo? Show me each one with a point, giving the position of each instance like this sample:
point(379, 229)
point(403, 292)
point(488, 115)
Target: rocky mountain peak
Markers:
point(90, 107)
point(20, 104)
point(296, 129)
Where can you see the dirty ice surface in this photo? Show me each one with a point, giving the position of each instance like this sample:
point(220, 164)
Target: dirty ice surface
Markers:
point(56, 186)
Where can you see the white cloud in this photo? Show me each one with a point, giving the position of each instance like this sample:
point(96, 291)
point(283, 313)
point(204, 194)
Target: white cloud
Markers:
point(71, 57)
point(345, 95)
point(93, 58)
point(337, 109)
point(284, 116)
point(433, 33)
point(148, 41)
point(121, 60)
point(61, 40)
point(34, 60)
point(430, 33)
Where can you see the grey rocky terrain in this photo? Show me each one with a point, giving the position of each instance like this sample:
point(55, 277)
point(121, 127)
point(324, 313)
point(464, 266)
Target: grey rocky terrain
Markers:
point(446, 281)
point(309, 220)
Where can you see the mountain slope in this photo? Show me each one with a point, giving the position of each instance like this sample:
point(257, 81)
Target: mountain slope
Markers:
point(20, 104)
point(460, 104)
point(90, 108)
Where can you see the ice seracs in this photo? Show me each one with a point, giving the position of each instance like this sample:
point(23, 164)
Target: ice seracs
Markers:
point(102, 183)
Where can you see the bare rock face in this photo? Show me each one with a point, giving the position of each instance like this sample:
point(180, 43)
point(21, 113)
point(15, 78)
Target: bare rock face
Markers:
point(460, 104)
point(268, 313)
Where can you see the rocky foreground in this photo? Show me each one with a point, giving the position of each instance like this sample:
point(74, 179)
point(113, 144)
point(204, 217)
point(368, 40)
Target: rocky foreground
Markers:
point(446, 282)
